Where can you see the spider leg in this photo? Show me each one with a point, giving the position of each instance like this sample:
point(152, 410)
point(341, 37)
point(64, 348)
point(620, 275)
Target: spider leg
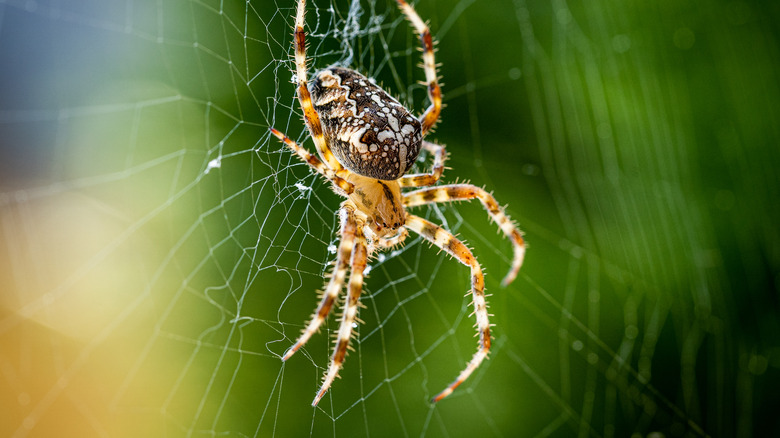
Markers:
point(316, 164)
point(348, 231)
point(358, 265)
point(431, 115)
point(427, 179)
point(460, 192)
point(449, 243)
point(304, 97)
point(389, 242)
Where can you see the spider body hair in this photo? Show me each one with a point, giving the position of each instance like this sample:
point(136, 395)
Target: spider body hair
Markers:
point(367, 142)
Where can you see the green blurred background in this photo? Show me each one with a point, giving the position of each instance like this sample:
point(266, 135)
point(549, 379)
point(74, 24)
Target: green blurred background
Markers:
point(159, 250)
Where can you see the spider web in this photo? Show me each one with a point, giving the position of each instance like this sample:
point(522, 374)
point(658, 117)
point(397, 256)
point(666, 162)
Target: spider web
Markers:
point(159, 251)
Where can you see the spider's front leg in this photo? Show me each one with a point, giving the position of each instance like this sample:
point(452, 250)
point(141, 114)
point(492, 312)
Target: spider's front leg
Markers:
point(462, 192)
point(358, 265)
point(348, 233)
point(449, 243)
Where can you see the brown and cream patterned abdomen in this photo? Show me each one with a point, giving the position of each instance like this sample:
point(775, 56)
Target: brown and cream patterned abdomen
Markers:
point(369, 132)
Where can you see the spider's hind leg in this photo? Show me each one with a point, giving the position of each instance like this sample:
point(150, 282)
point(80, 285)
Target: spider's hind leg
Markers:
point(431, 115)
point(304, 96)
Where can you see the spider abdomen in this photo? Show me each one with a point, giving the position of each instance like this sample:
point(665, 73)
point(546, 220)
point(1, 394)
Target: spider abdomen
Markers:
point(369, 131)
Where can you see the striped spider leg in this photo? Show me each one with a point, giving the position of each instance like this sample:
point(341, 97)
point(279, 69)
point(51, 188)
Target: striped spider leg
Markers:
point(310, 114)
point(462, 192)
point(427, 179)
point(431, 115)
point(389, 242)
point(449, 243)
point(351, 252)
point(348, 318)
point(348, 233)
point(336, 177)
point(454, 247)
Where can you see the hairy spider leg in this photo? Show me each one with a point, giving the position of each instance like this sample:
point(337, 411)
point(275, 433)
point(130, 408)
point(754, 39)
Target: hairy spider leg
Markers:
point(390, 242)
point(316, 164)
point(304, 97)
point(427, 179)
point(454, 247)
point(431, 115)
point(344, 335)
point(461, 192)
point(332, 290)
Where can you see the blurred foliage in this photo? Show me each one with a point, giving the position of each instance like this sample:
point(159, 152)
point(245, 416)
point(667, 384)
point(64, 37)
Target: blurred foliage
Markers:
point(161, 250)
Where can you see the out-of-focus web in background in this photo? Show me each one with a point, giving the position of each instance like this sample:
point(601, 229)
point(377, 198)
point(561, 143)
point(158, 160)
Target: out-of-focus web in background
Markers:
point(159, 250)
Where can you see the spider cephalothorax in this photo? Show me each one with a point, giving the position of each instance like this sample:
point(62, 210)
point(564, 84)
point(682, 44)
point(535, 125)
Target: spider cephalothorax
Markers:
point(366, 142)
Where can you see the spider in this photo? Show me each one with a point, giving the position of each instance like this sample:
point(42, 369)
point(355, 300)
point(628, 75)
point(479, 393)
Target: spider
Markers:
point(366, 142)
